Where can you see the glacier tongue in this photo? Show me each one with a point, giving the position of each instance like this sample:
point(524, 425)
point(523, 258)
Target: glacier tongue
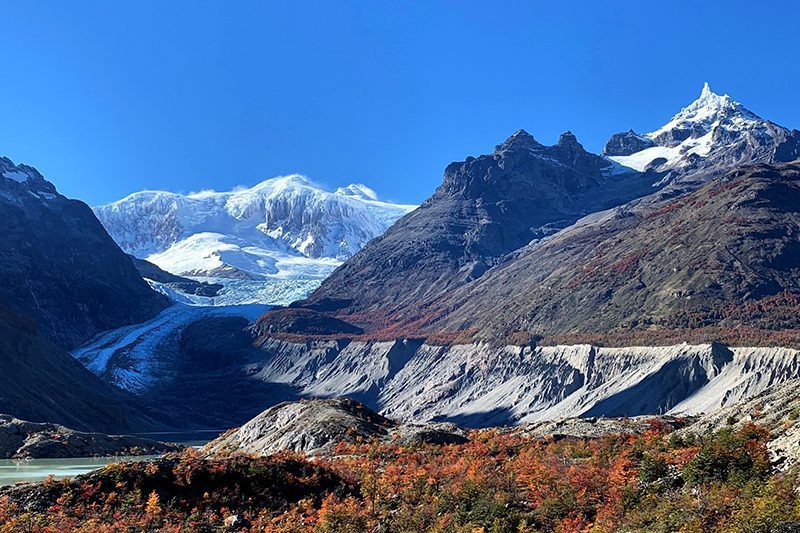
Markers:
point(137, 357)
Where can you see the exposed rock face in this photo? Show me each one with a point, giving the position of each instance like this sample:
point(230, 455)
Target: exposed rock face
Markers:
point(21, 439)
point(723, 256)
point(316, 426)
point(59, 265)
point(485, 208)
point(151, 272)
point(626, 143)
point(39, 381)
point(479, 385)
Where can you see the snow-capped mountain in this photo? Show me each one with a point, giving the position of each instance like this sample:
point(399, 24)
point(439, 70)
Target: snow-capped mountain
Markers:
point(713, 133)
point(283, 234)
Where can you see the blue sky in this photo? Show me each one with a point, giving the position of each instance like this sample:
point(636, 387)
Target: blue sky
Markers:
point(107, 98)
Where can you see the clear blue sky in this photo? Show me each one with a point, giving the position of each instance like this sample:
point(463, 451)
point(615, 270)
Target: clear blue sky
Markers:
point(107, 98)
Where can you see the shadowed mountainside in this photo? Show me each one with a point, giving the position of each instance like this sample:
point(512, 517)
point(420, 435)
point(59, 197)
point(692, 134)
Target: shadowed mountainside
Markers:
point(41, 382)
point(59, 265)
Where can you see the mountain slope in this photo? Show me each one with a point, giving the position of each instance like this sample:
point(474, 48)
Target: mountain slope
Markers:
point(724, 256)
point(59, 265)
point(278, 232)
point(485, 208)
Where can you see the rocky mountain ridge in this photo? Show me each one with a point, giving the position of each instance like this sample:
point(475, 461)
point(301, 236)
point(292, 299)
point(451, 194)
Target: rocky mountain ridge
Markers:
point(715, 260)
point(502, 253)
point(59, 265)
point(486, 208)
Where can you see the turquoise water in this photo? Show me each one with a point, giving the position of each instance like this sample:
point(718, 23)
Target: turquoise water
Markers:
point(28, 470)
point(31, 470)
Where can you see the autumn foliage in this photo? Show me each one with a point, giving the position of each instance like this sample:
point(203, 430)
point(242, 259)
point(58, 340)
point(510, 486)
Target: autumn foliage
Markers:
point(499, 481)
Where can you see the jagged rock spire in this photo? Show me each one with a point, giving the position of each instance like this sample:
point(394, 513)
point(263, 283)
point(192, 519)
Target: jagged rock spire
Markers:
point(519, 138)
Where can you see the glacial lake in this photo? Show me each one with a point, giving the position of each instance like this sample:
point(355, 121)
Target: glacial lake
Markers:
point(32, 470)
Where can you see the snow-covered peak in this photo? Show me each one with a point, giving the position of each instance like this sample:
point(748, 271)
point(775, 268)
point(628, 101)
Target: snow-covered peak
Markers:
point(708, 111)
point(358, 190)
point(286, 214)
point(292, 182)
point(710, 135)
point(706, 92)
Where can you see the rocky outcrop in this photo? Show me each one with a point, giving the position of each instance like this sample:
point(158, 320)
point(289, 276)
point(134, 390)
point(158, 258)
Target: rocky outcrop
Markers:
point(60, 267)
point(151, 272)
point(23, 439)
point(315, 427)
point(626, 143)
point(595, 427)
point(312, 426)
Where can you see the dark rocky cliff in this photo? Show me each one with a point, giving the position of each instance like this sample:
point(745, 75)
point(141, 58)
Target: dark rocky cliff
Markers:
point(60, 266)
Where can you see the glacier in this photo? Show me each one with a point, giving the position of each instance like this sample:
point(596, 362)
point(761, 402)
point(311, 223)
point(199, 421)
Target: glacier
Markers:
point(271, 243)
